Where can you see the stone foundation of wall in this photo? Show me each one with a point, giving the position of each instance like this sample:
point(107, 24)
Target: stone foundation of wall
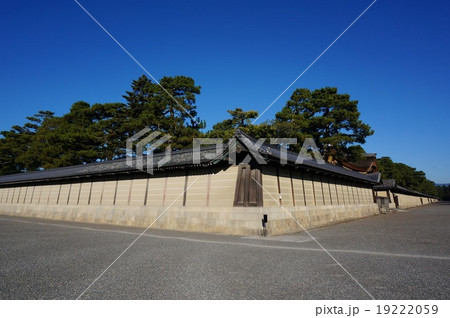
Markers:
point(226, 220)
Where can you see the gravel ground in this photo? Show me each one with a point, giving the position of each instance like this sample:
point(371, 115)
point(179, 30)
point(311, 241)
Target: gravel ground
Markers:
point(404, 255)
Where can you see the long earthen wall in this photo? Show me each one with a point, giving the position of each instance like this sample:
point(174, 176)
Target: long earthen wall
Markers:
point(199, 200)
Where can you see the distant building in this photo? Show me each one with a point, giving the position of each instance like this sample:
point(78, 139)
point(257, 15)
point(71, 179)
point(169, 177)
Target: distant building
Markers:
point(366, 165)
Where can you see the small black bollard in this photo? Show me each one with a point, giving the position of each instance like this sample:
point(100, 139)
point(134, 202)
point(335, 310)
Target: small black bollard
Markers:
point(264, 222)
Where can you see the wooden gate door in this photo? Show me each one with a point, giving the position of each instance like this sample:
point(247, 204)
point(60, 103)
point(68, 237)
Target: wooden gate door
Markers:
point(248, 187)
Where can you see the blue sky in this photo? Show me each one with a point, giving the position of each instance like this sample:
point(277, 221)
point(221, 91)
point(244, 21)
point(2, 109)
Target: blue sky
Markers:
point(394, 60)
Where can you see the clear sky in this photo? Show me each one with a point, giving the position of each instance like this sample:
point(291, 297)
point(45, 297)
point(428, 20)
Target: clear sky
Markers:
point(394, 60)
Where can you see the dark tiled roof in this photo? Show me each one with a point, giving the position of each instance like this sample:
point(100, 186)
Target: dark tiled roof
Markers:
point(184, 158)
point(392, 186)
point(386, 185)
point(181, 158)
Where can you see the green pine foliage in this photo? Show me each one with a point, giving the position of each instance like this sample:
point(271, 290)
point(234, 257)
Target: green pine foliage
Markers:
point(18, 147)
point(330, 118)
point(149, 105)
point(92, 133)
point(406, 176)
point(444, 192)
point(239, 119)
